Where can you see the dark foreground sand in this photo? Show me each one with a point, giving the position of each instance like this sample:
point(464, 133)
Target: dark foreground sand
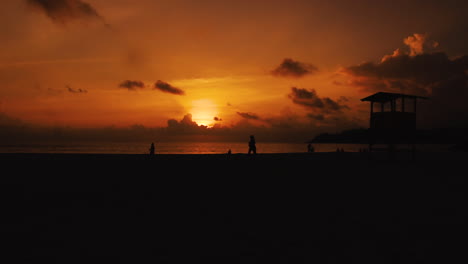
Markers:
point(268, 208)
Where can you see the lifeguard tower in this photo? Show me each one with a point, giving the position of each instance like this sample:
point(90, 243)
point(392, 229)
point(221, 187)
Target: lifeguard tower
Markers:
point(392, 119)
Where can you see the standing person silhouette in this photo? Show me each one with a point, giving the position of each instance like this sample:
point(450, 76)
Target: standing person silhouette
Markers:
point(310, 148)
point(252, 147)
point(151, 149)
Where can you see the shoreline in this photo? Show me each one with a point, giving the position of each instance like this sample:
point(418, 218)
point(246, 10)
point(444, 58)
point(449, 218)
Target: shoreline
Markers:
point(443, 155)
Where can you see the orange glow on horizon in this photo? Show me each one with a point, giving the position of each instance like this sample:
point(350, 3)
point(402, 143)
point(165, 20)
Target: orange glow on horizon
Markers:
point(203, 112)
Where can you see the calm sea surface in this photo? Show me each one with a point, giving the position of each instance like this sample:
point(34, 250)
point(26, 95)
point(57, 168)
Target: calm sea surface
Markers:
point(186, 148)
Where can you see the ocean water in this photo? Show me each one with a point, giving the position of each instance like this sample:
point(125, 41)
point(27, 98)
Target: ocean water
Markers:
point(187, 147)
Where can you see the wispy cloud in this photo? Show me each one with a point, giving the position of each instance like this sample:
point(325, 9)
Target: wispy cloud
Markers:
point(310, 99)
point(292, 68)
point(132, 85)
point(249, 115)
point(64, 11)
point(79, 90)
point(167, 88)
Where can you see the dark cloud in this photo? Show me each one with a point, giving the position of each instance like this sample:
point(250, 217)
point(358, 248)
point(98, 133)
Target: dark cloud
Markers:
point(343, 99)
point(64, 11)
point(419, 71)
point(292, 68)
point(184, 125)
point(167, 88)
point(49, 91)
point(79, 90)
point(323, 112)
point(318, 117)
point(417, 74)
point(286, 120)
point(132, 85)
point(249, 115)
point(310, 99)
point(217, 119)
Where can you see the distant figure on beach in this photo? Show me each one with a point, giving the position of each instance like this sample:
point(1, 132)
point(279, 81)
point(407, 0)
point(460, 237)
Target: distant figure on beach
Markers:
point(252, 147)
point(151, 149)
point(310, 148)
point(229, 152)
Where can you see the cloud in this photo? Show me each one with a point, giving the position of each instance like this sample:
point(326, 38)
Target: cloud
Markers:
point(249, 115)
point(337, 83)
point(419, 43)
point(343, 99)
point(292, 68)
point(318, 117)
point(64, 11)
point(132, 85)
point(420, 70)
point(217, 119)
point(71, 90)
point(396, 53)
point(416, 44)
point(404, 73)
point(185, 123)
point(310, 100)
point(167, 88)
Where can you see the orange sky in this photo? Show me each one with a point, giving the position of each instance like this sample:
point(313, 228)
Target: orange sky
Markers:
point(64, 65)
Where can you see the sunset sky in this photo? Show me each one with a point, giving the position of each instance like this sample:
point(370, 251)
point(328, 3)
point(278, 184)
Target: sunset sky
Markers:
point(289, 68)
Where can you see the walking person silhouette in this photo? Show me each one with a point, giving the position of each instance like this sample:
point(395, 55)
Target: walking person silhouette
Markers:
point(252, 146)
point(151, 149)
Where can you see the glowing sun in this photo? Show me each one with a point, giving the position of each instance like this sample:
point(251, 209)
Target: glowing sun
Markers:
point(203, 112)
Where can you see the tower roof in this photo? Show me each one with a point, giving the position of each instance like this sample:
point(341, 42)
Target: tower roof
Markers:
point(383, 97)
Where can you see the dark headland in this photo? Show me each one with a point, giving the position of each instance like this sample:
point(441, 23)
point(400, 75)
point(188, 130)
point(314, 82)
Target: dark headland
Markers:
point(264, 208)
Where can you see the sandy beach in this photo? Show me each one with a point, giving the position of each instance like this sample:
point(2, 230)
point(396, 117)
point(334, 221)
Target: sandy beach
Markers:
point(276, 208)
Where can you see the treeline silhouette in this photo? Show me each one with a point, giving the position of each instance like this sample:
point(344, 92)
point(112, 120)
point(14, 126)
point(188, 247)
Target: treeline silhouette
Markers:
point(457, 136)
point(357, 136)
